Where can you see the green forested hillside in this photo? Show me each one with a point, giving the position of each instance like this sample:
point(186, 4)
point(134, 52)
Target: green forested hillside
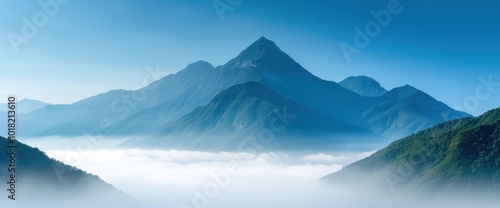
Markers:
point(457, 156)
point(42, 180)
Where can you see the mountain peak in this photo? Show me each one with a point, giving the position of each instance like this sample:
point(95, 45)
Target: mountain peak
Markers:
point(30, 100)
point(263, 44)
point(263, 41)
point(363, 85)
point(267, 56)
point(362, 77)
point(27, 105)
point(402, 92)
point(407, 89)
point(200, 64)
point(257, 50)
point(196, 68)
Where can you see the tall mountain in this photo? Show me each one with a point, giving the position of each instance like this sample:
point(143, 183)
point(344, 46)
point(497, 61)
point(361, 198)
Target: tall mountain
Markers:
point(140, 112)
point(265, 63)
point(251, 111)
point(44, 181)
point(460, 156)
point(363, 85)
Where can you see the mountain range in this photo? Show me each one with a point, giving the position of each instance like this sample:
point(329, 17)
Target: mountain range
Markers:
point(191, 108)
point(459, 157)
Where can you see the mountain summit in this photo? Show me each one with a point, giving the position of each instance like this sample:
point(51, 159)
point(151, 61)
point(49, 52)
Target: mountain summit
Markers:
point(266, 55)
point(363, 85)
point(259, 49)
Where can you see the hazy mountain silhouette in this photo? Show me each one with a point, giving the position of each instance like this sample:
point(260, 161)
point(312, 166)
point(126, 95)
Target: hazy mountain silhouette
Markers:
point(25, 105)
point(406, 109)
point(363, 85)
point(61, 120)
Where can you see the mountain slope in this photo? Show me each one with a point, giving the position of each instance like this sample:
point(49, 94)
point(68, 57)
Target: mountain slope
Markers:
point(116, 105)
point(404, 110)
point(460, 156)
point(250, 110)
point(60, 120)
point(41, 180)
point(184, 95)
point(283, 75)
point(363, 85)
point(163, 90)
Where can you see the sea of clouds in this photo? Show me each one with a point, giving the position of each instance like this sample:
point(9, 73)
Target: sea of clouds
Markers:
point(195, 179)
point(174, 178)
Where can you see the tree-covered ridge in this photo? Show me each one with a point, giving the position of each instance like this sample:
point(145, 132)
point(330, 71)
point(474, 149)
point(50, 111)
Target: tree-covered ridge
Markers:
point(40, 179)
point(461, 156)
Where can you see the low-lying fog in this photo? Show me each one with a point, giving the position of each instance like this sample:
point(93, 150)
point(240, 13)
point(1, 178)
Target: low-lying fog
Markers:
point(183, 179)
point(172, 178)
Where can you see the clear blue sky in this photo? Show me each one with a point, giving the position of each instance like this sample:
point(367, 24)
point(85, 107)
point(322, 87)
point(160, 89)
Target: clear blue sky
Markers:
point(92, 46)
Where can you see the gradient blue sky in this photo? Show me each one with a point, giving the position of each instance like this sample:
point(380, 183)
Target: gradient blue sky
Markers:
point(89, 47)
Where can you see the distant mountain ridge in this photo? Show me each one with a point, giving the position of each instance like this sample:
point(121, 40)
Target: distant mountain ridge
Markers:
point(363, 85)
point(162, 103)
point(26, 105)
point(407, 109)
